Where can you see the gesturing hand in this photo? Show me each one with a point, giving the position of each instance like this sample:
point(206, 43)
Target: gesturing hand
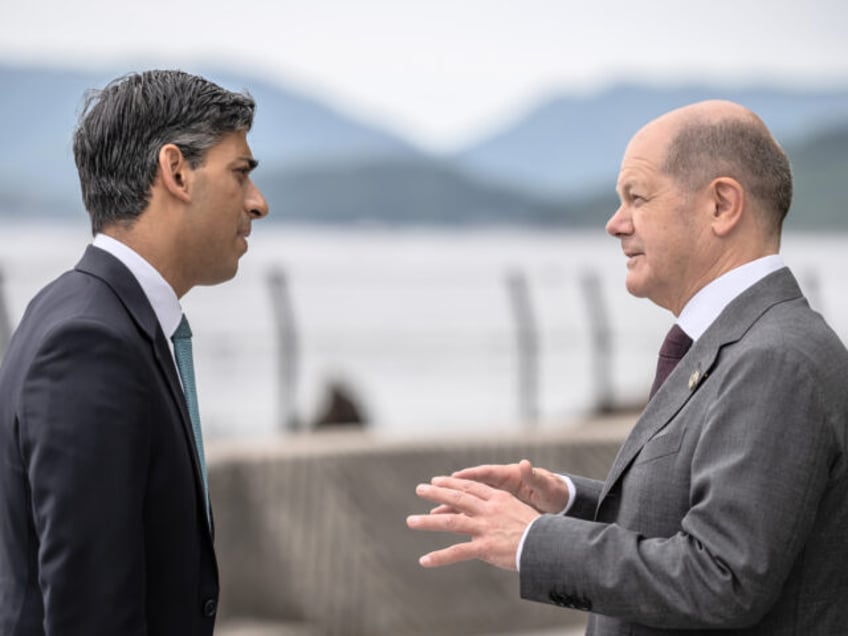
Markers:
point(493, 518)
point(537, 487)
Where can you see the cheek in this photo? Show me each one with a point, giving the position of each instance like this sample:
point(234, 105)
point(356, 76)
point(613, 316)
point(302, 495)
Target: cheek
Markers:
point(647, 270)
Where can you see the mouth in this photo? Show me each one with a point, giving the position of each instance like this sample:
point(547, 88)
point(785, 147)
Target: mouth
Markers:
point(632, 255)
point(630, 249)
point(243, 234)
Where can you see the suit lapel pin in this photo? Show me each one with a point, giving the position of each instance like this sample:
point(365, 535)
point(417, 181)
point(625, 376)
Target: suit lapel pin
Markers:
point(694, 379)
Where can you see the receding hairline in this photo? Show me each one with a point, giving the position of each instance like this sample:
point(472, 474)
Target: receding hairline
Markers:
point(697, 143)
point(710, 112)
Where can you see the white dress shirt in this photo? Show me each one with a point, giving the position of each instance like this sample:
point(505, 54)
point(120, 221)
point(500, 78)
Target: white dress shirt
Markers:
point(705, 306)
point(698, 314)
point(160, 294)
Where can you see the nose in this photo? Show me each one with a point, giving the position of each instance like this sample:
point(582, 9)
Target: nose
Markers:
point(620, 223)
point(256, 204)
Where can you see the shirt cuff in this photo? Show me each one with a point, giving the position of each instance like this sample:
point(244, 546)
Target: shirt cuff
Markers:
point(572, 493)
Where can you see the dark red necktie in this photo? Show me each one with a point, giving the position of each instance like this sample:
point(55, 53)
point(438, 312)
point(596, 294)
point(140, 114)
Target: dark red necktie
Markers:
point(674, 347)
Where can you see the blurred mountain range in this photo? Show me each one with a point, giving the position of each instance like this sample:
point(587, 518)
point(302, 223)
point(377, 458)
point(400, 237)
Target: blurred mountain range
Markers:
point(554, 166)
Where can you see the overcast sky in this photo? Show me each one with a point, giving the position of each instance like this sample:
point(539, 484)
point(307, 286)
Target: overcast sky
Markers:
point(443, 72)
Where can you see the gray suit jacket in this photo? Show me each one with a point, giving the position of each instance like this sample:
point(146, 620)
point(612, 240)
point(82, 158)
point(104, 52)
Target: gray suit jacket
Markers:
point(727, 506)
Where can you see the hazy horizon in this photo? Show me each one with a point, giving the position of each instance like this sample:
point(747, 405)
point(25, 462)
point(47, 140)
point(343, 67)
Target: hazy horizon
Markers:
point(443, 73)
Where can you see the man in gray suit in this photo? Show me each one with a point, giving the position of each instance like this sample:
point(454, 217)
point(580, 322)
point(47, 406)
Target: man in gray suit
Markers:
point(727, 506)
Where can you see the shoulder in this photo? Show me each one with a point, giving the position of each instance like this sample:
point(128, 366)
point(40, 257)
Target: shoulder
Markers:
point(76, 317)
point(790, 363)
point(73, 299)
point(793, 329)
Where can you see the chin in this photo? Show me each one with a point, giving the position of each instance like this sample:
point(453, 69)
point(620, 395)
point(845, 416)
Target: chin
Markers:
point(221, 276)
point(635, 288)
point(230, 274)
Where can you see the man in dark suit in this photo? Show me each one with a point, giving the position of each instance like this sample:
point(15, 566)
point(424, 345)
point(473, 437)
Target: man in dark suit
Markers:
point(726, 507)
point(105, 524)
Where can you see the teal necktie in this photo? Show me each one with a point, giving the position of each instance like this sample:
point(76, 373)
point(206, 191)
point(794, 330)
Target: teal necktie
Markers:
point(185, 365)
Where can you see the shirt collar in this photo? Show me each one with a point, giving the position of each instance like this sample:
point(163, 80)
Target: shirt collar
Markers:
point(160, 294)
point(705, 306)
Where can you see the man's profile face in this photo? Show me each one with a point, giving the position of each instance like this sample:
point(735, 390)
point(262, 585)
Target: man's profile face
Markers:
point(224, 203)
point(658, 231)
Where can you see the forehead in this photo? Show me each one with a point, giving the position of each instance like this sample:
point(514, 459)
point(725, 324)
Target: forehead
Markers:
point(230, 147)
point(645, 154)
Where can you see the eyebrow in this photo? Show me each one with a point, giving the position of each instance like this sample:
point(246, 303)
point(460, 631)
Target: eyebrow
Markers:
point(626, 187)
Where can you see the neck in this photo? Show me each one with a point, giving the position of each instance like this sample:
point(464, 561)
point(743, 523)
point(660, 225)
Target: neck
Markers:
point(153, 248)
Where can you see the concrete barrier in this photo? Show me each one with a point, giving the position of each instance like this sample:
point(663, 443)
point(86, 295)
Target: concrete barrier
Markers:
point(311, 534)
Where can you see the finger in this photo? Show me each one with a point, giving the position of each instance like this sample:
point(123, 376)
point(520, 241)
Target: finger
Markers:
point(544, 491)
point(442, 509)
point(448, 556)
point(483, 468)
point(486, 473)
point(456, 523)
point(528, 474)
point(456, 500)
point(474, 488)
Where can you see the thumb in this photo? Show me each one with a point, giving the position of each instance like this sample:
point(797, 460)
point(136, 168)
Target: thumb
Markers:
point(527, 472)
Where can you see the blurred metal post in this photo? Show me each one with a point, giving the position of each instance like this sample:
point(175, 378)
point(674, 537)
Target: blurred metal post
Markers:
point(287, 349)
point(527, 341)
point(600, 354)
point(5, 321)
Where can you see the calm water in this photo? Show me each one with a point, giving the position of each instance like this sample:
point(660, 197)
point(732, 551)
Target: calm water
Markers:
point(418, 324)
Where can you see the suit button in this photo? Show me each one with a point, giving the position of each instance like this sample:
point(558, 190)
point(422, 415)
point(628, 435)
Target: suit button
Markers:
point(210, 607)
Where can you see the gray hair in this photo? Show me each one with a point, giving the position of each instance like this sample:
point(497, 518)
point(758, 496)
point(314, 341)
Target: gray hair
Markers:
point(123, 126)
point(739, 148)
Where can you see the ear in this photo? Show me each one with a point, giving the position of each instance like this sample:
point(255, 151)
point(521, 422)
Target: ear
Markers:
point(174, 172)
point(727, 196)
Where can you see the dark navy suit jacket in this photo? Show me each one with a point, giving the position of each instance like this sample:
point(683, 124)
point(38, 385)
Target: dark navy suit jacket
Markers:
point(103, 528)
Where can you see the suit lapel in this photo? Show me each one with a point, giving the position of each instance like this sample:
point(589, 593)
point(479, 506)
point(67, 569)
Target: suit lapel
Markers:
point(662, 408)
point(162, 352)
point(115, 274)
point(700, 362)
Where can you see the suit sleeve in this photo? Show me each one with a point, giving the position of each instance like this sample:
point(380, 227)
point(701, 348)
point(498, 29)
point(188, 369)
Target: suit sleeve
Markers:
point(758, 472)
point(587, 494)
point(86, 447)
